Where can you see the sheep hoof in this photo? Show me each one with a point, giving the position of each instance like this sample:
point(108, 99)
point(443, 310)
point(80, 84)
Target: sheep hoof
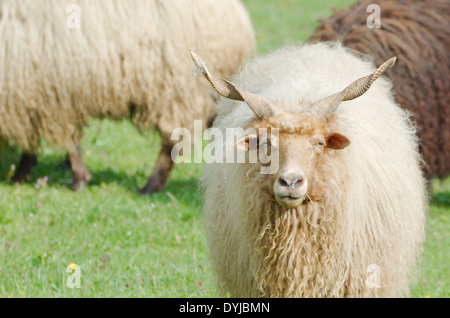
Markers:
point(19, 178)
point(79, 185)
point(81, 182)
point(155, 184)
point(150, 188)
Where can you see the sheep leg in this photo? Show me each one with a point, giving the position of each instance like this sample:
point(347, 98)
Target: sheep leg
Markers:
point(81, 174)
point(66, 163)
point(160, 173)
point(23, 172)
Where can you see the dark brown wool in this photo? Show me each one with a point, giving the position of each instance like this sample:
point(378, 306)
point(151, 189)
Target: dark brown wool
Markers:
point(418, 33)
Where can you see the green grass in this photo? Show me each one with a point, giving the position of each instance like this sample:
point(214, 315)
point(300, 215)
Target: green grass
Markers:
point(125, 244)
point(288, 22)
point(128, 245)
point(434, 272)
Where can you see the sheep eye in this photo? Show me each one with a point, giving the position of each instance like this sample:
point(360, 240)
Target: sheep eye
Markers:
point(318, 144)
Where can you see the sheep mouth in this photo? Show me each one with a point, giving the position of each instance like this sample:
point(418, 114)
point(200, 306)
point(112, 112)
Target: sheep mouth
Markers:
point(290, 201)
point(290, 197)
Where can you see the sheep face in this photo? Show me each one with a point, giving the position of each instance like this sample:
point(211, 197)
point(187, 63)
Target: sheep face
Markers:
point(302, 138)
point(301, 142)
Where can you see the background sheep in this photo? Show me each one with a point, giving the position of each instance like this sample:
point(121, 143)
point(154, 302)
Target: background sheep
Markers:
point(365, 205)
point(418, 33)
point(127, 57)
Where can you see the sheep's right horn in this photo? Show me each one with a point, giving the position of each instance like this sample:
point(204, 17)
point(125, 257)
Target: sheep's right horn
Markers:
point(262, 107)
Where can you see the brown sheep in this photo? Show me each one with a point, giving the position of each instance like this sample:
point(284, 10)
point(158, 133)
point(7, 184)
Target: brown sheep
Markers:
point(418, 33)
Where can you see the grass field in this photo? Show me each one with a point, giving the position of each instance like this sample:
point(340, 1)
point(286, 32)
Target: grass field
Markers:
point(128, 245)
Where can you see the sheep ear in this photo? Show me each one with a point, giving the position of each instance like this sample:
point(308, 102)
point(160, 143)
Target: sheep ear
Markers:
point(248, 143)
point(337, 141)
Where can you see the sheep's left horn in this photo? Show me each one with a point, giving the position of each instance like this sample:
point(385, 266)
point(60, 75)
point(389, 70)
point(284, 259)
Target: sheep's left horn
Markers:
point(262, 107)
point(325, 108)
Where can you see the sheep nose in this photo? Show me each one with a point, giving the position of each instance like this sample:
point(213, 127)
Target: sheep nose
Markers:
point(291, 180)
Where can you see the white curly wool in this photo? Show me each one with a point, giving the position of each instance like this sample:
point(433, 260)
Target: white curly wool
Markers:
point(365, 237)
point(125, 55)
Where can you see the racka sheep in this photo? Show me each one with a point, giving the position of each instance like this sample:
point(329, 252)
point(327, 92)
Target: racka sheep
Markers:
point(418, 33)
point(63, 61)
point(344, 213)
